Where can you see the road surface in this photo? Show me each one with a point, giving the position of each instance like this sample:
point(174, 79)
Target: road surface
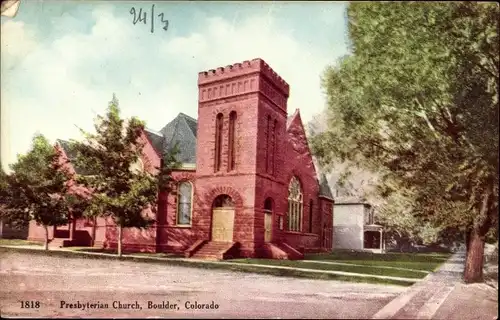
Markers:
point(50, 286)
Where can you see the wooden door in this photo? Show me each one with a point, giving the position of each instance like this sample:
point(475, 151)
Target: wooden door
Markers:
point(222, 224)
point(268, 226)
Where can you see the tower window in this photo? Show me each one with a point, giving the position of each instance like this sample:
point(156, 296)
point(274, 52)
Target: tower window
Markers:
point(218, 141)
point(231, 149)
point(268, 149)
point(273, 145)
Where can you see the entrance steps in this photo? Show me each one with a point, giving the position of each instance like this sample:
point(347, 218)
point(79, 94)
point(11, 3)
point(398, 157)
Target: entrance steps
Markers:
point(282, 251)
point(214, 250)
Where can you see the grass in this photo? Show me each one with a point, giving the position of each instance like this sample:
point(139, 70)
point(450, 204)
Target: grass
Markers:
point(417, 261)
point(368, 269)
point(207, 265)
point(19, 242)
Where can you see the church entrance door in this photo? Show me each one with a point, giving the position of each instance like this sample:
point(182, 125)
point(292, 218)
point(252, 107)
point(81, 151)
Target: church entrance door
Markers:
point(268, 219)
point(268, 222)
point(223, 219)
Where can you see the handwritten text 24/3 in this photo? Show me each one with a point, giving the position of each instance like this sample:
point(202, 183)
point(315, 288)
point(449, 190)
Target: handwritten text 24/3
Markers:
point(142, 16)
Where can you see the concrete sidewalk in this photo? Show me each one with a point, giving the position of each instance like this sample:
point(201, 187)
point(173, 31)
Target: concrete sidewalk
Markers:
point(442, 295)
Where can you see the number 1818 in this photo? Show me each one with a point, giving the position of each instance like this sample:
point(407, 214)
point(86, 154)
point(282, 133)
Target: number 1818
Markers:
point(30, 304)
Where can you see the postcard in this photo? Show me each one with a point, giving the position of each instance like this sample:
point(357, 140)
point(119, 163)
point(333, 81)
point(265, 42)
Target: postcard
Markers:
point(205, 159)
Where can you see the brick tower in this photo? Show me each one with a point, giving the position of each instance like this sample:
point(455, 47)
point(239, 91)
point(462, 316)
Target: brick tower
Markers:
point(242, 114)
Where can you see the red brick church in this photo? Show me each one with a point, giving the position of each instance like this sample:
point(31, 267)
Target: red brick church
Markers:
point(247, 186)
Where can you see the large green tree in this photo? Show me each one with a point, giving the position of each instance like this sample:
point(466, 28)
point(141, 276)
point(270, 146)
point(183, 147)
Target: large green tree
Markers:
point(416, 101)
point(37, 188)
point(120, 187)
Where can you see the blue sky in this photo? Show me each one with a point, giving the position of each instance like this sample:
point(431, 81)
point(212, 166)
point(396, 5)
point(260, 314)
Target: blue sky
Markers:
point(62, 61)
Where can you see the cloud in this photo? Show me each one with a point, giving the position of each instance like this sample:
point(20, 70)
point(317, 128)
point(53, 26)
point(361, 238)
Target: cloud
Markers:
point(16, 41)
point(62, 83)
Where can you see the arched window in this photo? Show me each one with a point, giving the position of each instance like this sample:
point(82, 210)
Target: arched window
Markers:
point(184, 203)
point(268, 205)
point(231, 150)
point(268, 147)
point(273, 146)
point(294, 205)
point(218, 141)
point(223, 201)
point(137, 167)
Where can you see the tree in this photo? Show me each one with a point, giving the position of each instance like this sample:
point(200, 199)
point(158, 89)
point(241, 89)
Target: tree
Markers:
point(37, 189)
point(119, 189)
point(417, 102)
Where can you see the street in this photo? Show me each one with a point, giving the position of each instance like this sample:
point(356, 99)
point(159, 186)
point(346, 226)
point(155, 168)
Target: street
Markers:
point(49, 286)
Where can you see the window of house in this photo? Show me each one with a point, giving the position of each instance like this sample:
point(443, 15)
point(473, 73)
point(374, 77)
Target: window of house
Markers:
point(218, 141)
point(294, 205)
point(184, 203)
point(231, 148)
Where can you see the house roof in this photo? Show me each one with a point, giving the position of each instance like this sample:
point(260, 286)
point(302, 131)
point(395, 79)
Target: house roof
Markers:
point(156, 139)
point(181, 131)
point(71, 154)
point(324, 187)
point(351, 201)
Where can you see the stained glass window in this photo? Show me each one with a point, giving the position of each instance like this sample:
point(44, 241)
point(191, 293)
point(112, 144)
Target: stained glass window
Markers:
point(184, 199)
point(294, 205)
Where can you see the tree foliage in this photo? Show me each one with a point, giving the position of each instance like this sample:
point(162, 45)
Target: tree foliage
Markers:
point(417, 102)
point(37, 188)
point(120, 187)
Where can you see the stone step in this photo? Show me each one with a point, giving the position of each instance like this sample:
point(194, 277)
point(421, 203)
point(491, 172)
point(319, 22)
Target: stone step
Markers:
point(212, 250)
point(217, 246)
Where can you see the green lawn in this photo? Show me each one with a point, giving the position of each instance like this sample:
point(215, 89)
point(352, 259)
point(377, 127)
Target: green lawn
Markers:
point(19, 242)
point(403, 265)
point(368, 269)
point(416, 261)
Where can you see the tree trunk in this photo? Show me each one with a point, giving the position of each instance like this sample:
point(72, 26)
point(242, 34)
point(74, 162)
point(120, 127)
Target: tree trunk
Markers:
point(93, 231)
point(474, 259)
point(46, 244)
point(475, 243)
point(120, 234)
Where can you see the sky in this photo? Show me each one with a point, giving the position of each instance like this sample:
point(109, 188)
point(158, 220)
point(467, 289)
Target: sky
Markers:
point(61, 61)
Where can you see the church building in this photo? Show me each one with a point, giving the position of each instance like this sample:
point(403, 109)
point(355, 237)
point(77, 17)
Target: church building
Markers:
point(247, 186)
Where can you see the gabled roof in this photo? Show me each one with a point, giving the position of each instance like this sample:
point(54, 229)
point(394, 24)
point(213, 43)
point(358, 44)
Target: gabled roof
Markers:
point(181, 131)
point(71, 154)
point(156, 139)
point(324, 187)
point(291, 118)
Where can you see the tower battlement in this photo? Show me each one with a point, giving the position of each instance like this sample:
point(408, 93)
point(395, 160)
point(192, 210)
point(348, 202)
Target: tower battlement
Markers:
point(241, 69)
